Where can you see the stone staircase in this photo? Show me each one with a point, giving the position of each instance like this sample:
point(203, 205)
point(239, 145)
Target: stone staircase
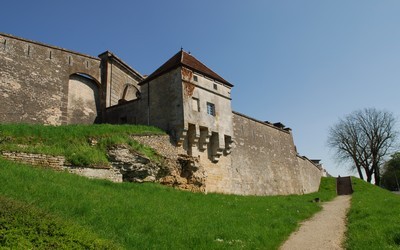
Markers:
point(344, 186)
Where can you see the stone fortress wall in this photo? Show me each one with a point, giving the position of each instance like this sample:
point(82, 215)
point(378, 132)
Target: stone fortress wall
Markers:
point(35, 80)
point(240, 155)
point(265, 160)
point(50, 85)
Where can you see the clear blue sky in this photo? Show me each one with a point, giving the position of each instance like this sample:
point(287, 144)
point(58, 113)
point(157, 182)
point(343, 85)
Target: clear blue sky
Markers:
point(303, 63)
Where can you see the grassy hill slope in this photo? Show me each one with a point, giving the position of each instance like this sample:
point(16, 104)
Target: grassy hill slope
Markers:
point(143, 216)
point(82, 145)
point(24, 226)
point(374, 218)
point(40, 208)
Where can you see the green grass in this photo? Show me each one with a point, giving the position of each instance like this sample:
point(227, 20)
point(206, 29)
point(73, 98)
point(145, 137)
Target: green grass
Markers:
point(73, 141)
point(24, 226)
point(151, 216)
point(374, 218)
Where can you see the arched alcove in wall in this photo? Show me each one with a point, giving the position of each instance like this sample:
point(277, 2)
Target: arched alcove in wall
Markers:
point(129, 93)
point(83, 99)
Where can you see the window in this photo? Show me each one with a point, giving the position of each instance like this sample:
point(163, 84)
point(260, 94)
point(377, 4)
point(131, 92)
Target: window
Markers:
point(215, 86)
point(210, 109)
point(195, 78)
point(195, 104)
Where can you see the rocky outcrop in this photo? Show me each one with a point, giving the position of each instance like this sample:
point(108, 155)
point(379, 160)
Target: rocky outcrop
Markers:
point(133, 166)
point(182, 171)
point(185, 171)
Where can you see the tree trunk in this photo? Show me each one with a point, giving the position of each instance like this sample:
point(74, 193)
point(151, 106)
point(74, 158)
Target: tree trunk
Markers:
point(360, 173)
point(369, 175)
point(377, 176)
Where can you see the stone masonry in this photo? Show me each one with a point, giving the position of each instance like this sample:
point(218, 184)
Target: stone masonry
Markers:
point(215, 149)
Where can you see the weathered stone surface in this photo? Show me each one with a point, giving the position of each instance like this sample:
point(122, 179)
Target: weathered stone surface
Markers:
point(110, 174)
point(34, 80)
point(185, 172)
point(83, 101)
point(265, 161)
point(55, 162)
point(134, 166)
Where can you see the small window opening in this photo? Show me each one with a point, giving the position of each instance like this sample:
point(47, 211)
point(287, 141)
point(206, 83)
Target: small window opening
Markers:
point(50, 55)
point(195, 78)
point(215, 86)
point(69, 60)
point(87, 64)
point(5, 44)
point(29, 50)
point(210, 108)
point(195, 104)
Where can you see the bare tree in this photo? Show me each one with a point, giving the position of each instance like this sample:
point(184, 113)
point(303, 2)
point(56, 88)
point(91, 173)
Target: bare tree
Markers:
point(364, 138)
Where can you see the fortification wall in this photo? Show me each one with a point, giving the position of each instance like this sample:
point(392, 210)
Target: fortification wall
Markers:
point(50, 85)
point(265, 162)
point(309, 175)
point(131, 112)
point(219, 175)
point(35, 79)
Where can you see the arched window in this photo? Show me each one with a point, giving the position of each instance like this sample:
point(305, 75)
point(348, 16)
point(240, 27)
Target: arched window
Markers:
point(129, 93)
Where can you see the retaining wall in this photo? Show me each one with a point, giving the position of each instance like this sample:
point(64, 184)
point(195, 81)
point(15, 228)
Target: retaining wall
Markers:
point(59, 163)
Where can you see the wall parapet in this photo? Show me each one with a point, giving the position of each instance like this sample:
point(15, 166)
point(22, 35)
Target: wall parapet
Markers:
point(310, 161)
point(286, 130)
point(48, 46)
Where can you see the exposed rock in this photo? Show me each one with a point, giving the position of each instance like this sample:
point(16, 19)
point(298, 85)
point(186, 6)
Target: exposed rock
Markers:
point(134, 166)
point(181, 171)
point(191, 170)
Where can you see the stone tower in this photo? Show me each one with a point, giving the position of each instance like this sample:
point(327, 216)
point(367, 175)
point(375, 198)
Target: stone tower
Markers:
point(192, 103)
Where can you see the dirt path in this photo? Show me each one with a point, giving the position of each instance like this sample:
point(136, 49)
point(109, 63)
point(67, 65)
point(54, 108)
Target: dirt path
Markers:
point(325, 230)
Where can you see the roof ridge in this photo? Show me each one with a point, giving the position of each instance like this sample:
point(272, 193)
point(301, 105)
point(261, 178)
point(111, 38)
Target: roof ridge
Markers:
point(183, 58)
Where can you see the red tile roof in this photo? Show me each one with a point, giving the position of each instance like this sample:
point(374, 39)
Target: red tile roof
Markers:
point(183, 58)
